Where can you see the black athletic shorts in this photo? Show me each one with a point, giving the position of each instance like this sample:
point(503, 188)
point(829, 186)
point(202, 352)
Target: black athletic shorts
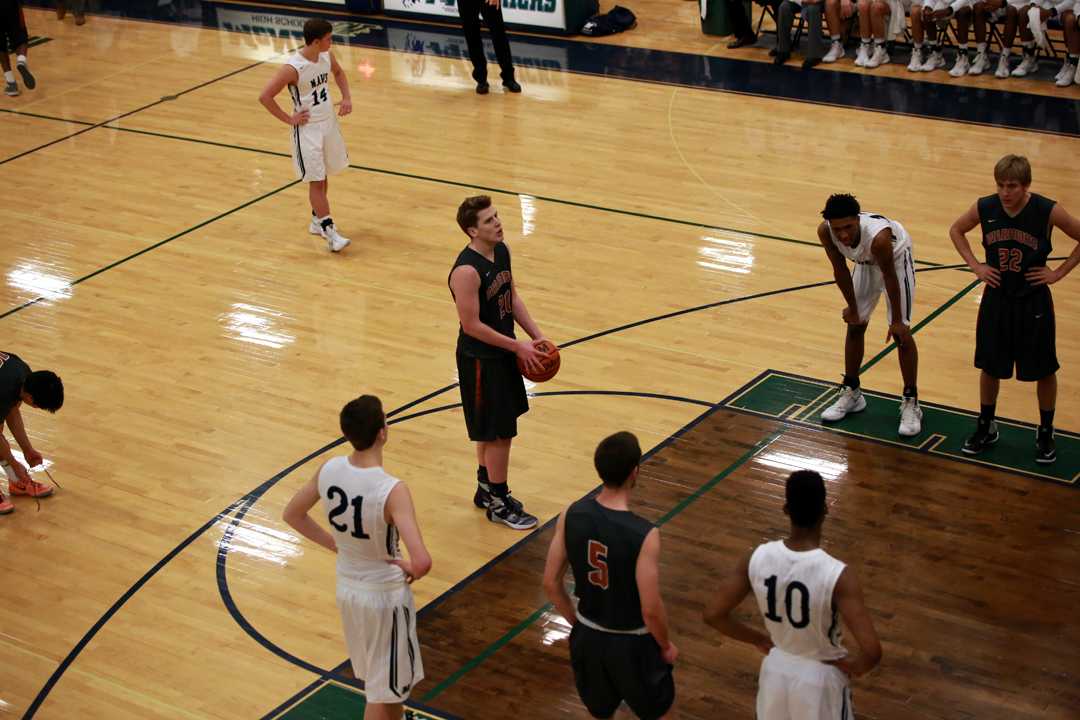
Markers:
point(611, 668)
point(12, 25)
point(1016, 331)
point(492, 396)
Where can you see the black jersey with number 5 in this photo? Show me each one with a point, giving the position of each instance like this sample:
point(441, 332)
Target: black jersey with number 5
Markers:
point(602, 546)
point(1015, 244)
point(496, 299)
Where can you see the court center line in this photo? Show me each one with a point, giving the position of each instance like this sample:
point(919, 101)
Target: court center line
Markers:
point(468, 186)
point(165, 98)
point(155, 246)
point(667, 517)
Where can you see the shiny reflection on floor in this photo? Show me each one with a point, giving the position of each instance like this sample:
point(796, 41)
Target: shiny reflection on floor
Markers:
point(257, 540)
point(729, 253)
point(257, 325)
point(40, 280)
point(553, 628)
point(790, 462)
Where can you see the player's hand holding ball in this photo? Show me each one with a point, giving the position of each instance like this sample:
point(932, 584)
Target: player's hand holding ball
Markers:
point(541, 362)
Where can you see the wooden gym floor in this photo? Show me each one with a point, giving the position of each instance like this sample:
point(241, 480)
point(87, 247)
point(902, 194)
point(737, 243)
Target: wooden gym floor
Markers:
point(156, 256)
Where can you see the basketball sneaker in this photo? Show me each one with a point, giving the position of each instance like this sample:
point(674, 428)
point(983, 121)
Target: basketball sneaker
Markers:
point(863, 56)
point(314, 227)
point(962, 65)
point(1002, 71)
point(910, 417)
point(5, 505)
point(1027, 66)
point(849, 401)
point(836, 51)
point(482, 499)
point(934, 61)
point(980, 65)
point(335, 241)
point(11, 88)
point(916, 60)
point(1044, 441)
point(1065, 75)
point(879, 58)
point(28, 77)
point(33, 489)
point(502, 512)
point(984, 437)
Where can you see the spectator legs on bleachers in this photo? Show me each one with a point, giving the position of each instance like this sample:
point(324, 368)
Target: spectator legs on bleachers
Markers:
point(836, 13)
point(1070, 71)
point(962, 66)
point(1029, 63)
point(785, 22)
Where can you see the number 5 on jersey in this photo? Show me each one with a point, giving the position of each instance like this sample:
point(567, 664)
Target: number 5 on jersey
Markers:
point(598, 576)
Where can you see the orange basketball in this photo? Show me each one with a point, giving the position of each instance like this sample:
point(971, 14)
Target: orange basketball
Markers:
point(550, 361)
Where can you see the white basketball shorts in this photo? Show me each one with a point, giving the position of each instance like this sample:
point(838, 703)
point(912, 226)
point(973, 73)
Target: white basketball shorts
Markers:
point(380, 634)
point(318, 150)
point(870, 285)
point(795, 688)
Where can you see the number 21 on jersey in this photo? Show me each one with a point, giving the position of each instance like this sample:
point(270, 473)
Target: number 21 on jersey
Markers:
point(336, 494)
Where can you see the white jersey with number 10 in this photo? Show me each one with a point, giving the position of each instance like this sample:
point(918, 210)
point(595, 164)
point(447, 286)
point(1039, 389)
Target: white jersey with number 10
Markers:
point(794, 591)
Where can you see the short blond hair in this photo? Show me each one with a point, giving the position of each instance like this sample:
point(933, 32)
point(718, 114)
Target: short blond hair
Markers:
point(1013, 167)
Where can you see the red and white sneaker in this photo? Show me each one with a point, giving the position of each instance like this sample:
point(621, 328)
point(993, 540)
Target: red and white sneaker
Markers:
point(33, 489)
point(5, 505)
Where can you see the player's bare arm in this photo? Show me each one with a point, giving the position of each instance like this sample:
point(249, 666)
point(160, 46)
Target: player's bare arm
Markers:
point(285, 75)
point(465, 283)
point(522, 316)
point(554, 571)
point(343, 85)
point(841, 274)
point(732, 591)
point(653, 611)
point(881, 249)
point(849, 601)
point(1059, 218)
point(401, 513)
point(5, 454)
point(296, 514)
point(958, 234)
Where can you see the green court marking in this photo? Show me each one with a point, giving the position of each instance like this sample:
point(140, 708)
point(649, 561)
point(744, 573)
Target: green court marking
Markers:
point(920, 325)
point(332, 701)
point(521, 626)
point(795, 399)
point(36, 40)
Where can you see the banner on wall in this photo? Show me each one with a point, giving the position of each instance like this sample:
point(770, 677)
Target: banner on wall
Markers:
point(539, 13)
point(415, 49)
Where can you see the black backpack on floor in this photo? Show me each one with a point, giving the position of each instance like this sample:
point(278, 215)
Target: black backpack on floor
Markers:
point(616, 20)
